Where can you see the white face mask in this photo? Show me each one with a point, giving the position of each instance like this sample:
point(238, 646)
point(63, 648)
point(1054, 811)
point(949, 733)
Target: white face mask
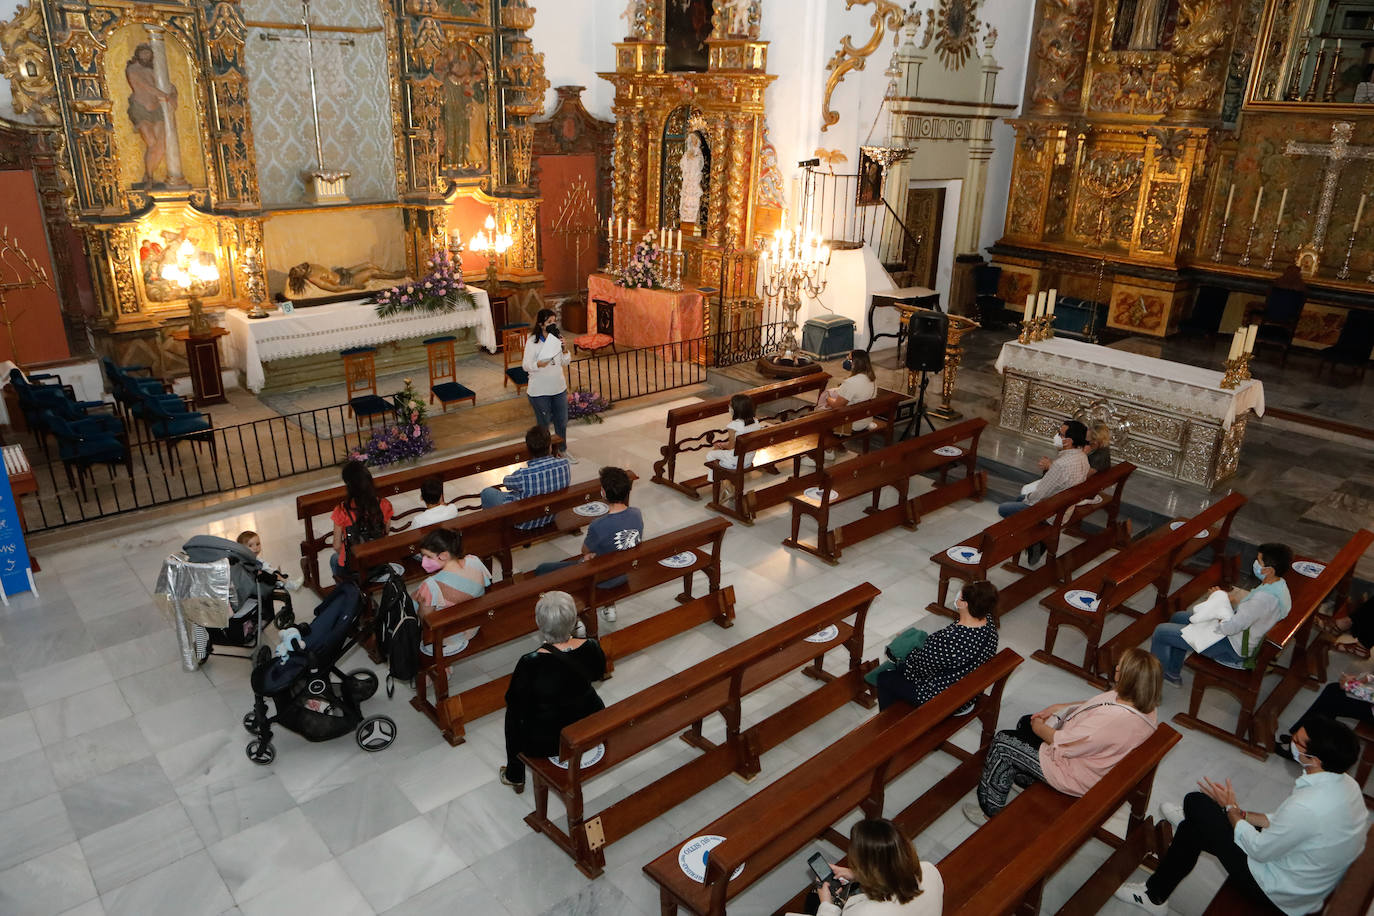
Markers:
point(1298, 755)
point(1058, 441)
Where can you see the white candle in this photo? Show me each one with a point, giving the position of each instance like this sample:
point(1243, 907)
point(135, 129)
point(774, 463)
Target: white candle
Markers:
point(1230, 196)
point(1030, 305)
point(1250, 338)
point(1283, 205)
point(1041, 303)
point(1054, 297)
point(1235, 345)
point(1359, 212)
point(1259, 199)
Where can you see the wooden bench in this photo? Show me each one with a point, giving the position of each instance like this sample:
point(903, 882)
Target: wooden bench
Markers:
point(893, 466)
point(310, 506)
point(807, 436)
point(506, 614)
point(1256, 724)
point(1003, 541)
point(1353, 896)
point(1152, 560)
point(679, 705)
point(852, 773)
point(665, 469)
point(1003, 867)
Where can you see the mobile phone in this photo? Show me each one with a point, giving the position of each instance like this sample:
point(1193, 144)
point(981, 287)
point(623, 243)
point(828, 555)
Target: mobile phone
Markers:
point(820, 868)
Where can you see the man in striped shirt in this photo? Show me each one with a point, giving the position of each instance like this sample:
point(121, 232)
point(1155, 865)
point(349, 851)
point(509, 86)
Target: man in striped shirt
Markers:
point(1068, 469)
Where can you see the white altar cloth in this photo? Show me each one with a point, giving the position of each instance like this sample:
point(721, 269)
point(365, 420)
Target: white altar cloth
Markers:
point(339, 326)
point(1188, 389)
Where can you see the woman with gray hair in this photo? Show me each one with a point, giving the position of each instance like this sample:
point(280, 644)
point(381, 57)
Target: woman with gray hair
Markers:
point(551, 687)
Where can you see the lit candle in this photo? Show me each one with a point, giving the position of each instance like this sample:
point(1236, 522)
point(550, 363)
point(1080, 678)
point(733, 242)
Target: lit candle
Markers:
point(1230, 196)
point(1259, 199)
point(1359, 212)
point(1283, 205)
point(1250, 338)
point(1054, 296)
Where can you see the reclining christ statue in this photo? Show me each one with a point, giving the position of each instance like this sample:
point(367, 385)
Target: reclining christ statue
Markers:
point(337, 279)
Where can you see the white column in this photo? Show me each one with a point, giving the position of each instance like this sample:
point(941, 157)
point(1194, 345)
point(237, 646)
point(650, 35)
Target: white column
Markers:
point(172, 157)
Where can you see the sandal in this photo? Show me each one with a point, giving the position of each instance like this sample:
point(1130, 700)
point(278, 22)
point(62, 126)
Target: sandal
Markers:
point(1328, 624)
point(1349, 645)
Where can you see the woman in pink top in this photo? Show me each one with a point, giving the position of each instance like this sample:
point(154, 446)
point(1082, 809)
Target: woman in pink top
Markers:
point(1071, 746)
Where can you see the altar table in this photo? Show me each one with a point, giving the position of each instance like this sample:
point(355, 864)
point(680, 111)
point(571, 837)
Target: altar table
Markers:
point(339, 326)
point(648, 317)
point(1168, 419)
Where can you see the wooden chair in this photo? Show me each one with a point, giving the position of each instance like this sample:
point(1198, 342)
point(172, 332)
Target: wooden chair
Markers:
point(1353, 346)
point(513, 354)
point(605, 330)
point(360, 375)
point(444, 365)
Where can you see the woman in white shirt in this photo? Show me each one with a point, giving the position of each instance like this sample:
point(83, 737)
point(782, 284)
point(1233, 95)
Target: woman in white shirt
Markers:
point(546, 355)
point(891, 879)
point(861, 386)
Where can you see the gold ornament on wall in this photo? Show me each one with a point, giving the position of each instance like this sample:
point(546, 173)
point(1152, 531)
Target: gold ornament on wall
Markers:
point(26, 64)
point(886, 15)
point(956, 32)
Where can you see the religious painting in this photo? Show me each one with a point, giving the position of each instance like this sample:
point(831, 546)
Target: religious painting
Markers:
point(179, 253)
point(463, 10)
point(686, 26)
point(465, 105)
point(870, 189)
point(156, 116)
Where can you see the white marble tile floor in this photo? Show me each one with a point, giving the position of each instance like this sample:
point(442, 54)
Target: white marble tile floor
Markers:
point(124, 787)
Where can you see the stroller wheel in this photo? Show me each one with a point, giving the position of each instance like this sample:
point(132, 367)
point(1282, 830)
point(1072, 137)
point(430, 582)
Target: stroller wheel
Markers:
point(362, 684)
point(262, 753)
point(250, 723)
point(375, 733)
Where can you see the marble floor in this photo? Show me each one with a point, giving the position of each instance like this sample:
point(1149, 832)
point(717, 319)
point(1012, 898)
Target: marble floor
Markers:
point(124, 788)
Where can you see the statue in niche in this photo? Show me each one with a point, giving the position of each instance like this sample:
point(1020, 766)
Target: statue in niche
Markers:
point(145, 111)
point(737, 18)
point(338, 279)
point(686, 26)
point(465, 109)
point(691, 164)
point(1140, 23)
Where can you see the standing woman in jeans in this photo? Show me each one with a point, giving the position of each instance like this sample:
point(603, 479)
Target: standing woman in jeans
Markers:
point(548, 387)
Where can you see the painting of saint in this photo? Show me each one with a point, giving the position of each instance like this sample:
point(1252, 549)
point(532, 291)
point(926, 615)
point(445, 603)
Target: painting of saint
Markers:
point(169, 247)
point(870, 191)
point(146, 112)
point(686, 26)
point(465, 99)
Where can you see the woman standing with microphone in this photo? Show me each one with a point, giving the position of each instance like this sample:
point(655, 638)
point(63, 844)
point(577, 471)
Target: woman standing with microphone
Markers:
point(546, 355)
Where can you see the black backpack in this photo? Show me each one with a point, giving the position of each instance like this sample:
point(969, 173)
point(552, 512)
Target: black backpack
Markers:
point(358, 533)
point(397, 631)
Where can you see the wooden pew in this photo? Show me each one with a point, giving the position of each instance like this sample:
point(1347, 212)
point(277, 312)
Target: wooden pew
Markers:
point(1353, 896)
point(678, 705)
point(851, 773)
point(1043, 522)
point(893, 466)
point(309, 506)
point(1152, 560)
point(807, 436)
point(665, 469)
point(1256, 724)
point(997, 871)
point(507, 613)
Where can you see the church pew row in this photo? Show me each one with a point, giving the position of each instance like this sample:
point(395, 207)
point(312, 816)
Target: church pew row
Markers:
point(850, 774)
point(806, 436)
point(893, 466)
point(1256, 723)
point(679, 705)
point(1152, 560)
point(309, 506)
point(665, 469)
point(1044, 522)
point(506, 614)
point(997, 871)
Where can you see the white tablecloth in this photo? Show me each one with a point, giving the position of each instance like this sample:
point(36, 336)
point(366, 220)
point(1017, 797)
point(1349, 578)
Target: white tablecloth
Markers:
point(1187, 389)
point(338, 326)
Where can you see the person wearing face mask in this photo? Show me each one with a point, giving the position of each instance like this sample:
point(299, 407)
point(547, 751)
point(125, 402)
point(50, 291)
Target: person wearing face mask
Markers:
point(546, 356)
point(1069, 468)
point(1290, 859)
point(452, 578)
point(1255, 612)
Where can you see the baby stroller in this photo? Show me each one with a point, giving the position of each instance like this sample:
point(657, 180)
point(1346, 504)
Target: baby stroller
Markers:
point(252, 593)
point(313, 698)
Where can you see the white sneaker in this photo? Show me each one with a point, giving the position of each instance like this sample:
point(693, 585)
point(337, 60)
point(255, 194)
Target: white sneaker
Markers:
point(608, 613)
point(1172, 812)
point(974, 812)
point(1135, 893)
point(292, 585)
point(807, 461)
point(572, 459)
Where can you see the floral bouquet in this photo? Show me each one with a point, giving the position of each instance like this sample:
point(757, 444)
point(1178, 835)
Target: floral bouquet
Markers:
point(408, 440)
point(586, 406)
point(642, 271)
point(440, 290)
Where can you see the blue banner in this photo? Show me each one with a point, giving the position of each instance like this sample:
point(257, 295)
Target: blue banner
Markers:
point(15, 576)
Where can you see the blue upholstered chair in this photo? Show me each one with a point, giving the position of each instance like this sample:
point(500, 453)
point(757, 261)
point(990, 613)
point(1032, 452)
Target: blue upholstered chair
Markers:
point(82, 450)
point(443, 374)
point(360, 375)
point(173, 423)
point(513, 354)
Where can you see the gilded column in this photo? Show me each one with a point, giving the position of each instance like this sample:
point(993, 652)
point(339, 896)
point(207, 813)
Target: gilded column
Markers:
point(736, 183)
point(621, 180)
point(715, 204)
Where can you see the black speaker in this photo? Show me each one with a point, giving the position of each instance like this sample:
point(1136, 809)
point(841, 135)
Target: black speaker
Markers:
point(925, 343)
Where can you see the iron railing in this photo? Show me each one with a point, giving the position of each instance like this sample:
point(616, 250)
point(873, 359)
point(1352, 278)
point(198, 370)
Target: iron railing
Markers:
point(831, 209)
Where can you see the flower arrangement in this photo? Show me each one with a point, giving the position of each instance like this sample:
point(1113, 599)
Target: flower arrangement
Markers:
point(642, 271)
point(440, 290)
point(407, 440)
point(586, 406)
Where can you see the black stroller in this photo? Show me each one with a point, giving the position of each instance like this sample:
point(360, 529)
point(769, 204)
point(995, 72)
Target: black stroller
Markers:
point(313, 698)
point(253, 593)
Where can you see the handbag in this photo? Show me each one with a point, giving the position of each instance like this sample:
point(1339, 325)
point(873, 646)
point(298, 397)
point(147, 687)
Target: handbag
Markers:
point(906, 642)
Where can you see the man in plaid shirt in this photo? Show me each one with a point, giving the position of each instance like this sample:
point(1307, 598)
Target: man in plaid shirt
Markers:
point(1068, 469)
point(543, 474)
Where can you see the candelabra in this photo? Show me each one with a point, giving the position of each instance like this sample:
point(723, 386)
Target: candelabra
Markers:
point(492, 245)
point(195, 276)
point(1237, 371)
point(1273, 242)
point(1108, 179)
point(1249, 241)
point(26, 273)
point(576, 223)
point(793, 267)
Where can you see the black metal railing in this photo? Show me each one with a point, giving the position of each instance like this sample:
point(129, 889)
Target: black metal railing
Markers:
point(832, 209)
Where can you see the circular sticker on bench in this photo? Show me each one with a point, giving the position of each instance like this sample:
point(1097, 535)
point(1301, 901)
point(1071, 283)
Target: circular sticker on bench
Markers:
point(825, 635)
point(679, 560)
point(1174, 526)
point(589, 758)
point(692, 857)
point(452, 646)
point(818, 494)
point(592, 509)
point(962, 554)
point(1309, 569)
point(949, 451)
point(1082, 600)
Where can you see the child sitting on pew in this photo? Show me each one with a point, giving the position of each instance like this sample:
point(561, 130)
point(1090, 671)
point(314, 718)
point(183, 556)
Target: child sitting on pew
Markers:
point(1071, 746)
point(452, 578)
point(436, 510)
point(742, 420)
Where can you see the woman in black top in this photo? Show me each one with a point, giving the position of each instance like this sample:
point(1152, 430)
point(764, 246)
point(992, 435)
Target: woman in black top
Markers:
point(948, 654)
point(551, 687)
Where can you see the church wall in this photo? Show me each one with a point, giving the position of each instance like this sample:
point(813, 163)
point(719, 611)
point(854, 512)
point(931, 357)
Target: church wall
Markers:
point(576, 38)
point(39, 335)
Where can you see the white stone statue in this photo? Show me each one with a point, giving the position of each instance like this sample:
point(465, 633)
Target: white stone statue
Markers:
point(738, 17)
point(689, 208)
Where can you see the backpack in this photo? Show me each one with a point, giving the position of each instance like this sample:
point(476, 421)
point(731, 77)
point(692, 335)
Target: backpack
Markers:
point(397, 632)
point(360, 532)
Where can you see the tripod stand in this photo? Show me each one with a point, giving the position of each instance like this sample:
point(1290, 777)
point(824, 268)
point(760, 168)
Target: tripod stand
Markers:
point(920, 413)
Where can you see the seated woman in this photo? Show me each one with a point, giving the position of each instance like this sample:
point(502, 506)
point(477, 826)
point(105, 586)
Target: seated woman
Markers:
point(889, 878)
point(1337, 700)
point(452, 578)
point(1071, 746)
point(862, 385)
point(362, 516)
point(1099, 448)
point(948, 654)
point(1355, 632)
point(551, 687)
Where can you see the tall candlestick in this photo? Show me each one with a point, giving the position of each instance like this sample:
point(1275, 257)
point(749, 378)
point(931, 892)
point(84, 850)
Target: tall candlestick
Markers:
point(1359, 212)
point(1030, 306)
point(1283, 204)
point(1230, 196)
point(1259, 199)
point(1054, 297)
point(1040, 301)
